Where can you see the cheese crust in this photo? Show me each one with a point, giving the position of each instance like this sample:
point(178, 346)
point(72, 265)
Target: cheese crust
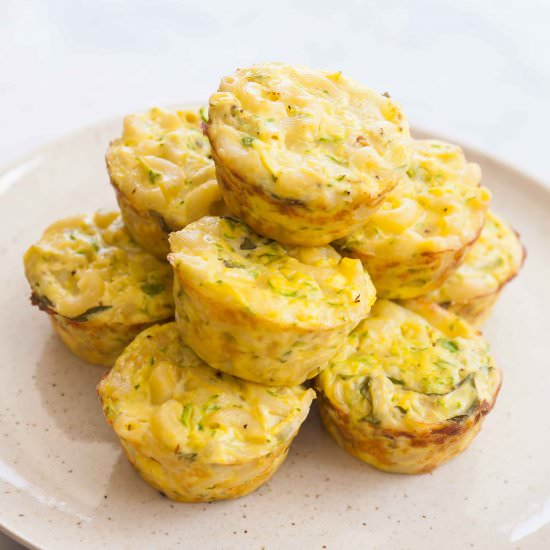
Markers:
point(98, 286)
point(411, 388)
point(304, 156)
point(425, 226)
point(163, 173)
point(494, 260)
point(256, 309)
point(192, 432)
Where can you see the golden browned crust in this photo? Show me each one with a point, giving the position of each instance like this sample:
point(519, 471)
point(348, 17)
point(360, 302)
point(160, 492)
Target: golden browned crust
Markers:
point(420, 275)
point(148, 229)
point(202, 321)
point(96, 344)
point(213, 309)
point(251, 203)
point(405, 452)
point(479, 308)
point(264, 468)
point(192, 471)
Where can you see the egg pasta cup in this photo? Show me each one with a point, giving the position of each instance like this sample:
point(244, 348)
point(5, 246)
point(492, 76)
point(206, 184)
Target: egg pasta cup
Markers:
point(99, 288)
point(425, 226)
point(258, 310)
point(194, 433)
point(411, 389)
point(163, 175)
point(304, 156)
point(491, 263)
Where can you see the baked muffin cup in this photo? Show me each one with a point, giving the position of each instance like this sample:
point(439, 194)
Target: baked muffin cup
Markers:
point(418, 275)
point(194, 433)
point(304, 156)
point(247, 305)
point(425, 226)
point(98, 287)
point(274, 216)
point(163, 175)
point(412, 389)
point(494, 260)
point(252, 349)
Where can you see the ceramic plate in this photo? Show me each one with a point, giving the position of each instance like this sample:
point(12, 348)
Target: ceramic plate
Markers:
point(65, 484)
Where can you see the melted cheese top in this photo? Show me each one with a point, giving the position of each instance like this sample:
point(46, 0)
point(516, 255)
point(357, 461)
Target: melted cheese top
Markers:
point(493, 260)
point(162, 163)
point(160, 394)
point(439, 206)
point(403, 369)
point(310, 136)
point(88, 268)
point(304, 287)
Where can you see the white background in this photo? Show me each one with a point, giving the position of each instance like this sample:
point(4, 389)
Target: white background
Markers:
point(473, 70)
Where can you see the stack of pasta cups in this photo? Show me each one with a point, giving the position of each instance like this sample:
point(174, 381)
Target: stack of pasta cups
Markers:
point(288, 161)
point(296, 152)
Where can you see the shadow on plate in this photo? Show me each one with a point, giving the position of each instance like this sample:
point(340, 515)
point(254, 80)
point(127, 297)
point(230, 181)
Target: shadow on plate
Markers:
point(67, 387)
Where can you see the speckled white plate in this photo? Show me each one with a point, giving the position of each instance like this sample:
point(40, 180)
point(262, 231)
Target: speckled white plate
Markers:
point(65, 484)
